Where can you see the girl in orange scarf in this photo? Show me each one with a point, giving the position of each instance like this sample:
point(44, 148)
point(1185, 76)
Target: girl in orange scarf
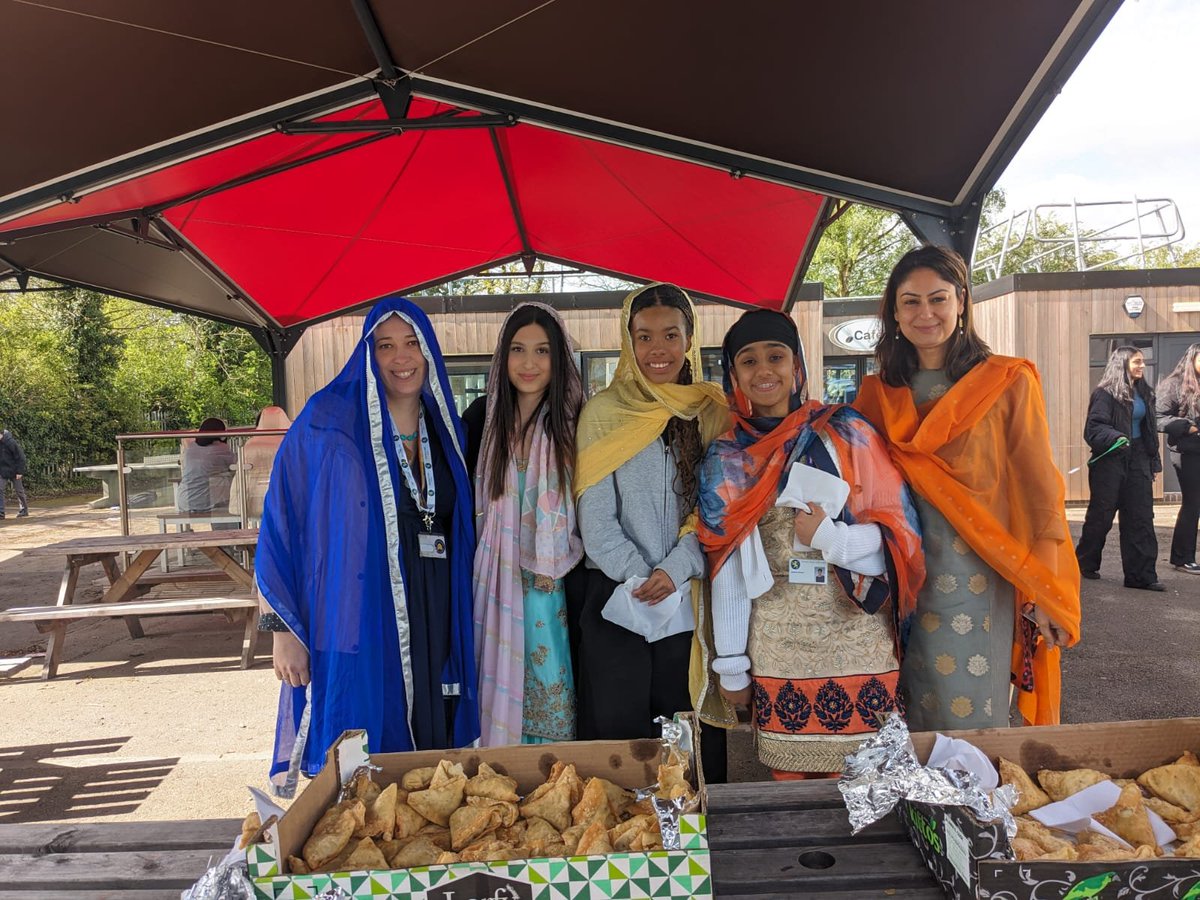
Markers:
point(808, 633)
point(968, 431)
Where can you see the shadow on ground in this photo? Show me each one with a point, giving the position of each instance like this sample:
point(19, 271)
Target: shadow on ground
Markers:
point(38, 783)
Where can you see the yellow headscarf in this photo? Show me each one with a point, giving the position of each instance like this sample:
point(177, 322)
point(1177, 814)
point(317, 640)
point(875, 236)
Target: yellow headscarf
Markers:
point(630, 414)
point(620, 422)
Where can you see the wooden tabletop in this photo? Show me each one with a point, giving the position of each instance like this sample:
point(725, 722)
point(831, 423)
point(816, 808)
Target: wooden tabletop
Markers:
point(792, 839)
point(120, 543)
point(769, 841)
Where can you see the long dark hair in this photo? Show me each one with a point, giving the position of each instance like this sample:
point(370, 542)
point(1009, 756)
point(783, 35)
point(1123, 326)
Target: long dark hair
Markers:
point(682, 436)
point(1184, 374)
point(895, 357)
point(1117, 380)
point(562, 410)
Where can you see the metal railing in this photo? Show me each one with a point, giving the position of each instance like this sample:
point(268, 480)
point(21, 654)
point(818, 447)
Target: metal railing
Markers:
point(1142, 226)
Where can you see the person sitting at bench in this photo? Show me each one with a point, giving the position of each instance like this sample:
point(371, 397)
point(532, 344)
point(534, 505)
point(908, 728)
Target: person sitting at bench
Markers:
point(258, 456)
point(204, 486)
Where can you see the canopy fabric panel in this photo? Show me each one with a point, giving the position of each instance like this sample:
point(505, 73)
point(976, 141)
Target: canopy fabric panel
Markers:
point(310, 225)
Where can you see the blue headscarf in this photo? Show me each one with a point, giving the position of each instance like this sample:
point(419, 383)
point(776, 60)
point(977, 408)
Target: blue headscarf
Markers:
point(323, 562)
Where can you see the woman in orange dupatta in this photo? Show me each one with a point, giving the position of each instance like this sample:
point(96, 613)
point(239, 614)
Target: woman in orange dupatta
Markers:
point(968, 430)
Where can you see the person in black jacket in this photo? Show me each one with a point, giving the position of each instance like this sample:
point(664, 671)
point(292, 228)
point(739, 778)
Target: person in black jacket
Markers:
point(1179, 419)
point(1123, 437)
point(12, 468)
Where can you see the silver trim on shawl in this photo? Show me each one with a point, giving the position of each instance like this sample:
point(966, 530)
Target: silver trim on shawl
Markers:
point(287, 790)
point(391, 526)
point(435, 385)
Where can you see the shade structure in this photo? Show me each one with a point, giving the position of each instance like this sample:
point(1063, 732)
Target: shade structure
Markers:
point(684, 140)
point(308, 226)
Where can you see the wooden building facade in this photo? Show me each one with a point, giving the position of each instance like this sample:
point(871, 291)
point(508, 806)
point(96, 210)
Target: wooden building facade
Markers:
point(1066, 323)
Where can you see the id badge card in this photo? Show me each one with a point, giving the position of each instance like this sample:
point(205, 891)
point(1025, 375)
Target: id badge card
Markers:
point(807, 571)
point(433, 546)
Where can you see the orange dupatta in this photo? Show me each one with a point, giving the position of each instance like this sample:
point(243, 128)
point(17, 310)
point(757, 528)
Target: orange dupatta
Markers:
point(981, 455)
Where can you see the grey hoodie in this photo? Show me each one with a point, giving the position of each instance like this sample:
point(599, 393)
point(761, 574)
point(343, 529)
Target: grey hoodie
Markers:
point(630, 521)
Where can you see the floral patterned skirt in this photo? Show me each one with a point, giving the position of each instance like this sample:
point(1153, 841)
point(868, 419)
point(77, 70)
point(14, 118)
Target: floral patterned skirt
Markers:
point(548, 710)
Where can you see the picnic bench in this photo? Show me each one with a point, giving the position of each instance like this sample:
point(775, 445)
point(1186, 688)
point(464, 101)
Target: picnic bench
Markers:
point(109, 476)
point(769, 840)
point(124, 596)
point(183, 520)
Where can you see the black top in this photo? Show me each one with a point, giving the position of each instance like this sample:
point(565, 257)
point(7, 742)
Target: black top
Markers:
point(1109, 419)
point(12, 457)
point(1173, 420)
point(473, 418)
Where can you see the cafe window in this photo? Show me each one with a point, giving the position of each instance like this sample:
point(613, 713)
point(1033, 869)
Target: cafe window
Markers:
point(468, 378)
point(842, 376)
point(599, 367)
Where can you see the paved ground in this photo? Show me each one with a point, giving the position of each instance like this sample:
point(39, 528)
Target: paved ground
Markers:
point(168, 727)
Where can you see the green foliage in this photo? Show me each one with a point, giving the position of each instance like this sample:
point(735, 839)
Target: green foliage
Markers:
point(857, 251)
point(77, 368)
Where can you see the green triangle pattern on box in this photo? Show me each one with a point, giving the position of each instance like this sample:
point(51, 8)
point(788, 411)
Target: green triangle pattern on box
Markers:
point(663, 875)
point(693, 833)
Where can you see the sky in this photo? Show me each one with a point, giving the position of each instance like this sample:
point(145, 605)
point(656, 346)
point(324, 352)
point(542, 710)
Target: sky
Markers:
point(1128, 120)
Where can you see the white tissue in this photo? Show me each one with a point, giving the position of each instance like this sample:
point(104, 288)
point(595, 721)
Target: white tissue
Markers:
point(806, 485)
point(653, 622)
point(1075, 813)
point(955, 754)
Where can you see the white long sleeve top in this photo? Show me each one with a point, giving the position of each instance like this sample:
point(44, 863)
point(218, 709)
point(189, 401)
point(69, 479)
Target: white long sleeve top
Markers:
point(858, 548)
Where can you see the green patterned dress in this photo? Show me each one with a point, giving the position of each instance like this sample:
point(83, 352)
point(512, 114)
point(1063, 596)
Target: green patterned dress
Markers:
point(955, 672)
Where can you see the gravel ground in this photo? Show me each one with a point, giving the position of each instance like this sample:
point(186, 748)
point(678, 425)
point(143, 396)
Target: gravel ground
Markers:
point(168, 727)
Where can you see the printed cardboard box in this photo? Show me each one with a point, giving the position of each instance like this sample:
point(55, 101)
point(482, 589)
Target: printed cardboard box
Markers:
point(632, 764)
point(962, 853)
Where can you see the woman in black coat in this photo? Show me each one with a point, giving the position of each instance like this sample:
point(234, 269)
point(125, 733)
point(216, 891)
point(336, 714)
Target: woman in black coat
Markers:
point(1179, 419)
point(1122, 434)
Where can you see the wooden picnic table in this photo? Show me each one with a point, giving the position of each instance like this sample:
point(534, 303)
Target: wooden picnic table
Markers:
point(129, 585)
point(769, 841)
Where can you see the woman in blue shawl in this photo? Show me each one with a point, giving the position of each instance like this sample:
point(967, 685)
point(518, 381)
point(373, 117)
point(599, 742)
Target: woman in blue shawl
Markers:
point(365, 554)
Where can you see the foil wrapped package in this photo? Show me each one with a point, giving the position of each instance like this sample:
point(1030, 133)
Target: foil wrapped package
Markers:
point(227, 880)
point(678, 746)
point(885, 770)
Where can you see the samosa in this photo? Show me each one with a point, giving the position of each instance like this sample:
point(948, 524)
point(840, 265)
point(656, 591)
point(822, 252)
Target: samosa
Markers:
point(1178, 784)
point(488, 783)
point(1061, 785)
point(1127, 818)
point(443, 796)
point(469, 823)
point(1029, 795)
point(553, 805)
point(594, 841)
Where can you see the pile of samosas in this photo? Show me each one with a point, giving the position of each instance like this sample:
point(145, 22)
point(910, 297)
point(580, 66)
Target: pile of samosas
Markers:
point(1172, 791)
point(439, 815)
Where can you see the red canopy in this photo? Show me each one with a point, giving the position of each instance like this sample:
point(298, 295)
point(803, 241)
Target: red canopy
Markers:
point(303, 226)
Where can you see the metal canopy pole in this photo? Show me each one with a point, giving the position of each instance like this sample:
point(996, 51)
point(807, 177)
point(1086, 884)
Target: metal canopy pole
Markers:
point(956, 230)
point(278, 343)
point(527, 254)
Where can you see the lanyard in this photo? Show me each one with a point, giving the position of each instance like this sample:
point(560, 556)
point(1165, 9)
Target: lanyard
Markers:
point(427, 510)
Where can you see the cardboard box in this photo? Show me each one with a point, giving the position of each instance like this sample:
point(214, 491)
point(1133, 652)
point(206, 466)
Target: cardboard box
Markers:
point(632, 764)
point(960, 851)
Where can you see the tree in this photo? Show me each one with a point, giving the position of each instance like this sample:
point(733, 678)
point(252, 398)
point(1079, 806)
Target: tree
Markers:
point(858, 250)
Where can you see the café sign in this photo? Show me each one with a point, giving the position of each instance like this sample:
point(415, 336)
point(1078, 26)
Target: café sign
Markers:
point(858, 335)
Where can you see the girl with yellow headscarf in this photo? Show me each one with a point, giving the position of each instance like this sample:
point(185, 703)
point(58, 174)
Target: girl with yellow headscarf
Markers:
point(640, 444)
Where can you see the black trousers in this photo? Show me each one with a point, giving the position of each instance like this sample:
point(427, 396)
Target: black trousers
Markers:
point(1121, 482)
point(1183, 542)
point(624, 682)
